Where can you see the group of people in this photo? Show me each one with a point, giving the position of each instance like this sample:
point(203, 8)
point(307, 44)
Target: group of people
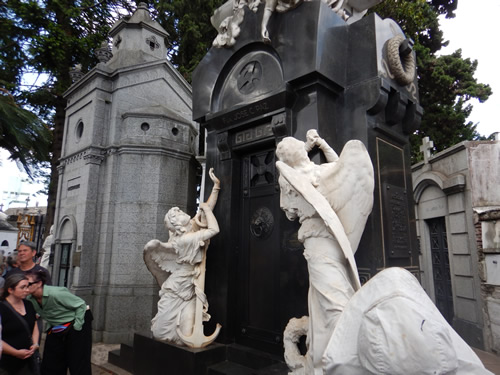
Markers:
point(28, 298)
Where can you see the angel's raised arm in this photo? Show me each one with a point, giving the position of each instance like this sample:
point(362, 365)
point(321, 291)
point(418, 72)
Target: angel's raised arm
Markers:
point(313, 139)
point(212, 199)
point(212, 225)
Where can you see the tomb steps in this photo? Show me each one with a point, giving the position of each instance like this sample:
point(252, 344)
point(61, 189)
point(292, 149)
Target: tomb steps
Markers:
point(151, 357)
point(242, 360)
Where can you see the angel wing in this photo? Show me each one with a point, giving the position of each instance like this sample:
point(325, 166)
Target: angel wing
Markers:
point(348, 186)
point(160, 259)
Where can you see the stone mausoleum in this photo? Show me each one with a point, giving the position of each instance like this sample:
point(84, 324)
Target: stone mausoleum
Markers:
point(458, 214)
point(128, 156)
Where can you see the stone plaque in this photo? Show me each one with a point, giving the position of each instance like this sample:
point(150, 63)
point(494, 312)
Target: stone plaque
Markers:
point(395, 212)
point(394, 200)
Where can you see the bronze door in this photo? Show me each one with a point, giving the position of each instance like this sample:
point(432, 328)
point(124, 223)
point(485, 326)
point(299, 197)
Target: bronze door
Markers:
point(441, 267)
point(272, 273)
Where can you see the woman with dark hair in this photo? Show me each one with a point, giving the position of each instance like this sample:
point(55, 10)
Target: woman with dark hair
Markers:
point(19, 331)
point(69, 338)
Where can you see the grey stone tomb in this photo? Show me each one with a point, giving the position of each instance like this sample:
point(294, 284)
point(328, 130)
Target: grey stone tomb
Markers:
point(128, 156)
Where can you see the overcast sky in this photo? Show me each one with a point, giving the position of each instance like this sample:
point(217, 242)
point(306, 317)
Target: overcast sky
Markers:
point(11, 181)
point(474, 30)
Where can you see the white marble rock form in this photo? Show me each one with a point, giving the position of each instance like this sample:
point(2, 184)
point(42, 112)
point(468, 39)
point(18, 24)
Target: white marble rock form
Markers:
point(179, 268)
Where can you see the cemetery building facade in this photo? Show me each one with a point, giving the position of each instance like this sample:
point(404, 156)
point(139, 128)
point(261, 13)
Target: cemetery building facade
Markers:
point(128, 156)
point(457, 206)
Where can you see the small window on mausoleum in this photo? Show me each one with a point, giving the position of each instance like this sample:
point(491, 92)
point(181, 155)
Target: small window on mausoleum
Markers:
point(145, 126)
point(79, 130)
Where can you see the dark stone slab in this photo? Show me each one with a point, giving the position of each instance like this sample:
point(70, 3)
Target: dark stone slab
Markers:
point(252, 358)
point(123, 358)
point(226, 368)
point(231, 368)
point(152, 357)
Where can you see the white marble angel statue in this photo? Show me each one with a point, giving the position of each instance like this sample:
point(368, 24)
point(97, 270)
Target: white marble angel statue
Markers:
point(47, 248)
point(388, 326)
point(179, 268)
point(332, 202)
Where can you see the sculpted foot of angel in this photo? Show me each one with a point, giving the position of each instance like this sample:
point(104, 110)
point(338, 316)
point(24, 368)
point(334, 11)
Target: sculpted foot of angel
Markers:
point(179, 268)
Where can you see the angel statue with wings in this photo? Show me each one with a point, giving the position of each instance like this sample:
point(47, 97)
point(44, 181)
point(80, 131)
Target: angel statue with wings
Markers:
point(332, 202)
point(179, 268)
point(388, 326)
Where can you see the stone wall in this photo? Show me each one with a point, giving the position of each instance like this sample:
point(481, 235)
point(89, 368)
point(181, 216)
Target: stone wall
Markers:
point(483, 161)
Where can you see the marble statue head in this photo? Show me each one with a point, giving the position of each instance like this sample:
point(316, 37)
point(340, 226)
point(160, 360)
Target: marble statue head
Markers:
point(177, 221)
point(291, 151)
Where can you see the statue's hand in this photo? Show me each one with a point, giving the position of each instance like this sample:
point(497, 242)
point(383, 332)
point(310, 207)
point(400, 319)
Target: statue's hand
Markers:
point(214, 178)
point(313, 138)
point(254, 6)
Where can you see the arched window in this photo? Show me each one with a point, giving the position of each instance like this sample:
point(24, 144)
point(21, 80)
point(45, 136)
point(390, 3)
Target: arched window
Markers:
point(5, 243)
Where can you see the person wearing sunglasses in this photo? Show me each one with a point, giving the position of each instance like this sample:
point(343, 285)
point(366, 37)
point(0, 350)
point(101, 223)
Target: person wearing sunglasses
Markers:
point(69, 336)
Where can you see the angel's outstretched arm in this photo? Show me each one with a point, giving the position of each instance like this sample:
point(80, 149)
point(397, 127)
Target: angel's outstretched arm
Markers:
point(212, 225)
point(313, 139)
point(212, 199)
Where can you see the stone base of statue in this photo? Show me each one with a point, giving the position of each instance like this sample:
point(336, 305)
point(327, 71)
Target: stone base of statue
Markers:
point(151, 357)
point(148, 356)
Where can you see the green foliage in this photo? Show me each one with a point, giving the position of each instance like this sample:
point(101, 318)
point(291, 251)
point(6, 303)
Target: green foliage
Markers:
point(23, 134)
point(446, 82)
point(46, 38)
point(190, 31)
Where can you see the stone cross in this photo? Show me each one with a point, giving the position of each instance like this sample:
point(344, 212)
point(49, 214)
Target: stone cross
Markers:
point(426, 148)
